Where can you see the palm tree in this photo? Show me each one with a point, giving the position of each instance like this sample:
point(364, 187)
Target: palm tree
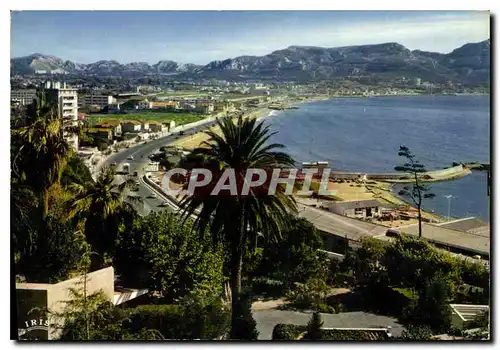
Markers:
point(101, 203)
point(42, 150)
point(235, 220)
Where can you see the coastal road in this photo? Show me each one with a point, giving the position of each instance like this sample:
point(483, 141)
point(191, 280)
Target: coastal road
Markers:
point(140, 154)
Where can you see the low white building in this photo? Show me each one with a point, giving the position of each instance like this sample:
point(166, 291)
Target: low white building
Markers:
point(461, 314)
point(131, 126)
point(358, 209)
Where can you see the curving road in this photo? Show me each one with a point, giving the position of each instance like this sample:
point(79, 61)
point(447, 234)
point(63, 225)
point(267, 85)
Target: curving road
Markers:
point(140, 154)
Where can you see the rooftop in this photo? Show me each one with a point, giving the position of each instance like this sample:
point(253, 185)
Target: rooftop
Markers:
point(91, 130)
point(111, 122)
point(340, 225)
point(453, 238)
point(366, 203)
point(470, 225)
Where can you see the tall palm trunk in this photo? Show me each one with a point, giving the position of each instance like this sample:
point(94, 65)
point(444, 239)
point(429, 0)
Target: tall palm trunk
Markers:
point(236, 265)
point(45, 203)
point(236, 268)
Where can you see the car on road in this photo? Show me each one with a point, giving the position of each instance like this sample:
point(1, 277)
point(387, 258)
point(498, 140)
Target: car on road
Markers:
point(130, 158)
point(181, 133)
point(113, 164)
point(152, 195)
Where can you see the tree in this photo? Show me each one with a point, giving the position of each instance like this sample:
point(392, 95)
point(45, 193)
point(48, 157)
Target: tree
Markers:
point(161, 254)
point(102, 205)
point(295, 258)
point(314, 327)
point(235, 219)
point(419, 190)
point(432, 308)
point(40, 151)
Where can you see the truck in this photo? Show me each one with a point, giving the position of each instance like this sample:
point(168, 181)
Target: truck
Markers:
point(126, 168)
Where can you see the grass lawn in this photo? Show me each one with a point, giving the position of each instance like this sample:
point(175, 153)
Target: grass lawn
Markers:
point(178, 118)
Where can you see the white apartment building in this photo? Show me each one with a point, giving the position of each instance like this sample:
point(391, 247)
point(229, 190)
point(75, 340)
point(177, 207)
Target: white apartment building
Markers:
point(67, 103)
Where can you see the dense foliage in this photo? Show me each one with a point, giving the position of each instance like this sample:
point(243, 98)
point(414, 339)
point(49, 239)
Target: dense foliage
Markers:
point(287, 331)
point(163, 255)
point(412, 280)
point(188, 319)
point(294, 258)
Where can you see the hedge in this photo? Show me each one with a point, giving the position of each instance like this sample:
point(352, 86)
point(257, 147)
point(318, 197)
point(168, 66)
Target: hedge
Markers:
point(292, 332)
point(287, 331)
point(181, 322)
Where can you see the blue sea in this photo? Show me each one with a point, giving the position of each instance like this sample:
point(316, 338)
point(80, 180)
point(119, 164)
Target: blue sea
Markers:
point(364, 134)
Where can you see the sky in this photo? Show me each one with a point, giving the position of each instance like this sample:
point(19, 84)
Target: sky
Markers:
point(203, 36)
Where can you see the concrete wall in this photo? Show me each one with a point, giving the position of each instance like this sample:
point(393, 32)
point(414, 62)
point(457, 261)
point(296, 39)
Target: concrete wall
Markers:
point(53, 297)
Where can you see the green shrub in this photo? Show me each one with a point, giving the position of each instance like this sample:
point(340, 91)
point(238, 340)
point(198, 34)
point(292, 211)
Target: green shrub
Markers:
point(190, 319)
point(309, 295)
point(245, 327)
point(287, 331)
point(340, 334)
point(416, 333)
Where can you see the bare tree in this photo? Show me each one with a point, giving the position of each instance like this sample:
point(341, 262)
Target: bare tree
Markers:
point(418, 191)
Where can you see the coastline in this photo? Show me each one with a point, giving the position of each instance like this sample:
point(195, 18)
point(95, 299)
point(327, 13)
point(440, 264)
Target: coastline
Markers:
point(386, 190)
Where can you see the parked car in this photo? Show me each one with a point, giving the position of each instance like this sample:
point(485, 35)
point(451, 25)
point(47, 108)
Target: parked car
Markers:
point(130, 158)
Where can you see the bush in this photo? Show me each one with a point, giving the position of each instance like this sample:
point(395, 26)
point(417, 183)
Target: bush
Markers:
point(245, 327)
point(287, 331)
point(189, 319)
point(416, 333)
point(309, 295)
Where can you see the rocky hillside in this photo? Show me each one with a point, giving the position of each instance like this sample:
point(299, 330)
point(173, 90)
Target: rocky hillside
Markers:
point(468, 64)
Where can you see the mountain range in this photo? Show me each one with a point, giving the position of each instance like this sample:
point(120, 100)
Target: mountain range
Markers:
point(468, 64)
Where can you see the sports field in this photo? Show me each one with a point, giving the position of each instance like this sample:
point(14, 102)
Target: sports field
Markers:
point(178, 118)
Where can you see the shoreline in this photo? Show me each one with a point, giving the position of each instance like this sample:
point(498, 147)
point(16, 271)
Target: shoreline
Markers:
point(388, 194)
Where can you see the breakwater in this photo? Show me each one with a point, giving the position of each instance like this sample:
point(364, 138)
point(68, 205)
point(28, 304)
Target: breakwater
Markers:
point(435, 175)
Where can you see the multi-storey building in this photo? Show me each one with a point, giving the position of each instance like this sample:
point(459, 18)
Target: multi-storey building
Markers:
point(23, 96)
point(95, 99)
point(67, 105)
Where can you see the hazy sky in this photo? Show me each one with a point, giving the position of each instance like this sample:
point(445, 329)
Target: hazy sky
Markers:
point(202, 36)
